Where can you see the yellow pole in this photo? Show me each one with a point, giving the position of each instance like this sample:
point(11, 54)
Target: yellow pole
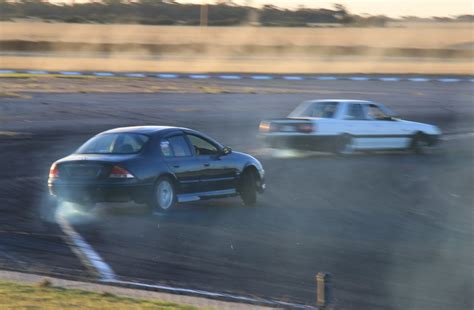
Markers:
point(204, 13)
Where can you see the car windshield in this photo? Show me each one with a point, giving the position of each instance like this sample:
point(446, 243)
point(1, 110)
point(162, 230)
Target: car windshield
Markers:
point(322, 109)
point(114, 143)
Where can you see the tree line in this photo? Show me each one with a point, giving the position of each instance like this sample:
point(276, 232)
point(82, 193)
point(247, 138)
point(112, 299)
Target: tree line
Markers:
point(169, 12)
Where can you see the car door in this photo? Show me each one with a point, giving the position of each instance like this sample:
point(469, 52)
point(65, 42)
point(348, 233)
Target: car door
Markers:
point(388, 132)
point(179, 158)
point(219, 173)
point(355, 123)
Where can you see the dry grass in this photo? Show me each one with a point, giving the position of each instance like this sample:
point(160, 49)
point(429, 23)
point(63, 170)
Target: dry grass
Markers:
point(405, 35)
point(220, 46)
point(289, 65)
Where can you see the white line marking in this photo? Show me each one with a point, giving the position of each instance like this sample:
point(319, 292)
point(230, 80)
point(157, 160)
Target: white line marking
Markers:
point(167, 76)
point(359, 78)
point(326, 78)
point(389, 79)
point(230, 77)
point(106, 273)
point(70, 73)
point(419, 79)
point(104, 73)
point(471, 80)
point(199, 76)
point(211, 294)
point(136, 75)
point(7, 71)
point(448, 80)
point(261, 77)
point(293, 78)
point(37, 72)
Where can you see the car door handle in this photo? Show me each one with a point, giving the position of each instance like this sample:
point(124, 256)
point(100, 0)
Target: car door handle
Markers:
point(175, 166)
point(207, 164)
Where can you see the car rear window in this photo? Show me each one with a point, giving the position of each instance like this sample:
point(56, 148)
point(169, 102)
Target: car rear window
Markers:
point(323, 109)
point(114, 143)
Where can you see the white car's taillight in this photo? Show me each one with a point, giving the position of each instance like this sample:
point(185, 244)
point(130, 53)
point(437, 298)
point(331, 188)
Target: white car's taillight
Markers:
point(120, 173)
point(264, 126)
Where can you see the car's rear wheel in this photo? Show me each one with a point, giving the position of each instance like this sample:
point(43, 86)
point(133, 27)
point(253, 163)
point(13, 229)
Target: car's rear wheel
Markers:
point(249, 189)
point(344, 145)
point(419, 143)
point(164, 196)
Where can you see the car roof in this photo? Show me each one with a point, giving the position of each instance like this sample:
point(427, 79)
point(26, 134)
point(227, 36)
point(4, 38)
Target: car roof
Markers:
point(144, 129)
point(342, 100)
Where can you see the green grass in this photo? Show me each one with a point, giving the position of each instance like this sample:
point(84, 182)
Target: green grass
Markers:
point(21, 296)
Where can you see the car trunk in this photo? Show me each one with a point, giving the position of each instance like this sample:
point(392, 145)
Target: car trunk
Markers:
point(287, 125)
point(89, 166)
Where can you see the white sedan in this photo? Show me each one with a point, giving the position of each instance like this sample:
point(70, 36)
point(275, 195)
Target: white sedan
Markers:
point(344, 126)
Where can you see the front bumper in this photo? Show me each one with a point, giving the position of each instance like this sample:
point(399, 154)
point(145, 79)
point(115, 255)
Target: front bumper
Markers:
point(99, 192)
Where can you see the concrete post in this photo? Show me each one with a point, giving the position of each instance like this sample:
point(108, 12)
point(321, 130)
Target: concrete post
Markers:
point(323, 290)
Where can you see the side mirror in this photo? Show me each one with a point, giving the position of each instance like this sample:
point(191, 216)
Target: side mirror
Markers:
point(226, 150)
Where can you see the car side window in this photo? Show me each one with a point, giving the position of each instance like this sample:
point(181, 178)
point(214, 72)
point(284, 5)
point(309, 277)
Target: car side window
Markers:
point(175, 146)
point(202, 146)
point(355, 111)
point(376, 113)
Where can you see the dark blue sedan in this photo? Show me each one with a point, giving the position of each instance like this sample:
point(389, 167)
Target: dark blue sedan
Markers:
point(157, 165)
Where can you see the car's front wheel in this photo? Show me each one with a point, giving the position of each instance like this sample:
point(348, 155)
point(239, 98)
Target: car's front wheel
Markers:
point(164, 195)
point(248, 191)
point(419, 143)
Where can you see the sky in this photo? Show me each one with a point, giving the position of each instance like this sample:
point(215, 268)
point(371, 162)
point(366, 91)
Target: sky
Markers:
point(392, 8)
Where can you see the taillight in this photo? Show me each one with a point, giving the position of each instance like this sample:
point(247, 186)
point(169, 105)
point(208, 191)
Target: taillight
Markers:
point(264, 126)
point(53, 171)
point(120, 173)
point(306, 128)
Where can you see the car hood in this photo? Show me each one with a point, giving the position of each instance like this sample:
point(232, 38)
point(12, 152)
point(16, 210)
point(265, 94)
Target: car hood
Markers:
point(426, 128)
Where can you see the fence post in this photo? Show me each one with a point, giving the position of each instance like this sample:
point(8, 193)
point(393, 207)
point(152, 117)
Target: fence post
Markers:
point(323, 290)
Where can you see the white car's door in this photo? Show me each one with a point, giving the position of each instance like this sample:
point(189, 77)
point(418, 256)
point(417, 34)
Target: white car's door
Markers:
point(355, 123)
point(388, 133)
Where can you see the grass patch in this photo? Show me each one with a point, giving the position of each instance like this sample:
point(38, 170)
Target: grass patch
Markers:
point(32, 75)
point(21, 296)
point(13, 95)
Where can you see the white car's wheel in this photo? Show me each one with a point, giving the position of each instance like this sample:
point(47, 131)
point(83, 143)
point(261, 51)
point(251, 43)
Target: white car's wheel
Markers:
point(164, 195)
point(344, 145)
point(420, 143)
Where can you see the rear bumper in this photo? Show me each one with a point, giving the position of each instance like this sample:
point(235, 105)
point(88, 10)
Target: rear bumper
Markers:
point(99, 192)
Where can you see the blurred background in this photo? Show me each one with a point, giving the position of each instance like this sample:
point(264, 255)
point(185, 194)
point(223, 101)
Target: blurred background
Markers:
point(238, 36)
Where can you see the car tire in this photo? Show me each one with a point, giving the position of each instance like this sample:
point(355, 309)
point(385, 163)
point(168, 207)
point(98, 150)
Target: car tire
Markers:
point(163, 197)
point(419, 143)
point(249, 189)
point(344, 145)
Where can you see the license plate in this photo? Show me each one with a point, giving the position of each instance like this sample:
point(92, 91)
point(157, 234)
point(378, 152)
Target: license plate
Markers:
point(287, 128)
point(83, 172)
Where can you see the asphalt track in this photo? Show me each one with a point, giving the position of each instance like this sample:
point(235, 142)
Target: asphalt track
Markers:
point(394, 230)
